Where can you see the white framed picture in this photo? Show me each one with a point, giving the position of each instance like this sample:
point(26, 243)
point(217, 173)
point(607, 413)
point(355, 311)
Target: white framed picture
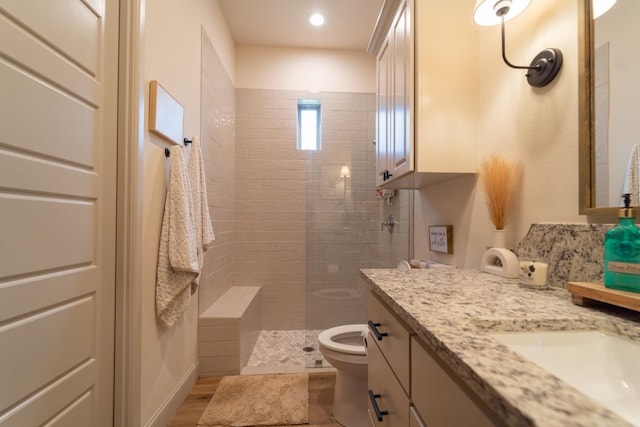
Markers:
point(166, 115)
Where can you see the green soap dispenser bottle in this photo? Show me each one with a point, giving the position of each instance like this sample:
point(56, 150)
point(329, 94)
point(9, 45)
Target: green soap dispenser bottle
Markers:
point(622, 252)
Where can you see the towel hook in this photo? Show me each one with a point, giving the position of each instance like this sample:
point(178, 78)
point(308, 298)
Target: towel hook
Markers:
point(187, 141)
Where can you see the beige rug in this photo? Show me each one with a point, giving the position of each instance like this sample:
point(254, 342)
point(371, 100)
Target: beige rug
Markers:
point(259, 400)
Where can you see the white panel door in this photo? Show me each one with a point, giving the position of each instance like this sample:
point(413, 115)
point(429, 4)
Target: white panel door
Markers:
point(58, 99)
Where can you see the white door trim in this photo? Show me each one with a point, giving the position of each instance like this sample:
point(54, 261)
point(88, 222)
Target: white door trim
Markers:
point(128, 371)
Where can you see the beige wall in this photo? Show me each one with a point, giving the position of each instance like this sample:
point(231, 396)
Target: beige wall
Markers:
point(538, 126)
point(172, 57)
point(323, 70)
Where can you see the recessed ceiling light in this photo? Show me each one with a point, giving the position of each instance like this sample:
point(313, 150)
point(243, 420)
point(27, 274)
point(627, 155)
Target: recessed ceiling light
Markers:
point(316, 19)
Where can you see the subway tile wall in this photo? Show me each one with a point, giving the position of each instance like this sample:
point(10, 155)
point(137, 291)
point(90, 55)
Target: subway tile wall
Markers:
point(303, 231)
point(391, 248)
point(341, 211)
point(270, 207)
point(218, 146)
point(285, 219)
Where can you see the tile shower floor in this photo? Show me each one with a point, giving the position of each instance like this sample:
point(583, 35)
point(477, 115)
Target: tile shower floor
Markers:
point(284, 352)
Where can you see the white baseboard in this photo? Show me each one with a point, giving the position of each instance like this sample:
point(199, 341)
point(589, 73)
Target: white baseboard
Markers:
point(169, 407)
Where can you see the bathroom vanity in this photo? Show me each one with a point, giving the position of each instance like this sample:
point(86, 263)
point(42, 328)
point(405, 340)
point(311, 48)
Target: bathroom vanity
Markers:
point(440, 363)
point(397, 361)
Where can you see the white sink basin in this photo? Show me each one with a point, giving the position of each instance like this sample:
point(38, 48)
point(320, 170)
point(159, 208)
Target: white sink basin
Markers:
point(602, 366)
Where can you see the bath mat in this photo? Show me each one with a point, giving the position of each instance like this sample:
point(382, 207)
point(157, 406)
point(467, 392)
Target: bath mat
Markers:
point(259, 400)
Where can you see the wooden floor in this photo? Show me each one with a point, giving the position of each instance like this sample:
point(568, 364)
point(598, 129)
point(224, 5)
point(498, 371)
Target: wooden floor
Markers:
point(320, 401)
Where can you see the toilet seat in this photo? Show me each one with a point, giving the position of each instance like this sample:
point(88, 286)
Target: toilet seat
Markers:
point(403, 265)
point(325, 338)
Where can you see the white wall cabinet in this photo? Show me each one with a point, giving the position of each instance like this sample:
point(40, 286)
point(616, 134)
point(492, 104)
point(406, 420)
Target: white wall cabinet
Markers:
point(426, 92)
point(395, 97)
point(408, 384)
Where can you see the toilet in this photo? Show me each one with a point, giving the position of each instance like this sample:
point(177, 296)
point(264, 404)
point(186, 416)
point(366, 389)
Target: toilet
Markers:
point(343, 348)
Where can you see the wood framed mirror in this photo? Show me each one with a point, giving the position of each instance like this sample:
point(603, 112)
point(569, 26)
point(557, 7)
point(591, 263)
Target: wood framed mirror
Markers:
point(609, 105)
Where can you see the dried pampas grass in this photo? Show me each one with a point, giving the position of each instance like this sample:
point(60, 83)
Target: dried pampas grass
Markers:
point(499, 179)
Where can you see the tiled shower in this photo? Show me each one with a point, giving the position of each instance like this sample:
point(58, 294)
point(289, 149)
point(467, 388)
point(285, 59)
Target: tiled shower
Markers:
point(292, 221)
point(307, 221)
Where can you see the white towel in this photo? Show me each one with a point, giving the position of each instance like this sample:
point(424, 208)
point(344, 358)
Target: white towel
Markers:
point(632, 177)
point(202, 220)
point(177, 256)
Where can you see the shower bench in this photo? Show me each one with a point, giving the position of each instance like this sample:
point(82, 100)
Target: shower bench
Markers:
point(228, 330)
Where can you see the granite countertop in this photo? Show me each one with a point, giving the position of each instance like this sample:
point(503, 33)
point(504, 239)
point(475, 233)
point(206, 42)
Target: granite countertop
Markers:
point(455, 310)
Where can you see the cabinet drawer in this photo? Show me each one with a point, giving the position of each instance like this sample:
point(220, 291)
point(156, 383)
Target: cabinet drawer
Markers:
point(441, 401)
point(387, 392)
point(395, 344)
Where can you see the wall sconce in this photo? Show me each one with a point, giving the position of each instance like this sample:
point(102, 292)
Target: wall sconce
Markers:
point(545, 65)
point(344, 172)
point(600, 7)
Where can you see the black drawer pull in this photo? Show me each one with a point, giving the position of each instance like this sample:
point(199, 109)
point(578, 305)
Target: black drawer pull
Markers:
point(376, 332)
point(379, 413)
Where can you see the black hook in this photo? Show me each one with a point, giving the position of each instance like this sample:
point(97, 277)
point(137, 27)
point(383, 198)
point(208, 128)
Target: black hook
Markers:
point(167, 153)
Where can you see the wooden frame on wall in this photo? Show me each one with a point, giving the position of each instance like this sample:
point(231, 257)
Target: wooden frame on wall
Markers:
point(441, 238)
point(166, 115)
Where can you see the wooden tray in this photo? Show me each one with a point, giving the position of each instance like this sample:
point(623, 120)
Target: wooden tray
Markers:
point(585, 293)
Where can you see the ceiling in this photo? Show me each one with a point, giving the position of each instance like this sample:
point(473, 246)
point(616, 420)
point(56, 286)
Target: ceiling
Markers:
point(285, 23)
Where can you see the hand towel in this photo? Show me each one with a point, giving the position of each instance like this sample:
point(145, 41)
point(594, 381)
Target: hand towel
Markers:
point(177, 256)
point(632, 177)
point(200, 206)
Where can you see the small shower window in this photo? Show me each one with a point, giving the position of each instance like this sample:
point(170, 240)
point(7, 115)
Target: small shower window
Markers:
point(309, 124)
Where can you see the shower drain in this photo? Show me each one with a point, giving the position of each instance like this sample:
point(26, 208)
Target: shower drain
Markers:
point(308, 349)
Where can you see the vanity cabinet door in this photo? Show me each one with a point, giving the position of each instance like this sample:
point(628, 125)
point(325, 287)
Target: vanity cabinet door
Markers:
point(439, 400)
point(385, 392)
point(394, 342)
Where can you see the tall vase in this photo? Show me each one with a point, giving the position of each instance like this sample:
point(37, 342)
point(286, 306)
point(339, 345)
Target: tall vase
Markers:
point(499, 260)
point(499, 239)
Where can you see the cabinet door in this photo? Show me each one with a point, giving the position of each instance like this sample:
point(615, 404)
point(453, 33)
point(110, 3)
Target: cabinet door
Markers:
point(438, 398)
point(402, 90)
point(395, 342)
point(385, 392)
point(383, 115)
